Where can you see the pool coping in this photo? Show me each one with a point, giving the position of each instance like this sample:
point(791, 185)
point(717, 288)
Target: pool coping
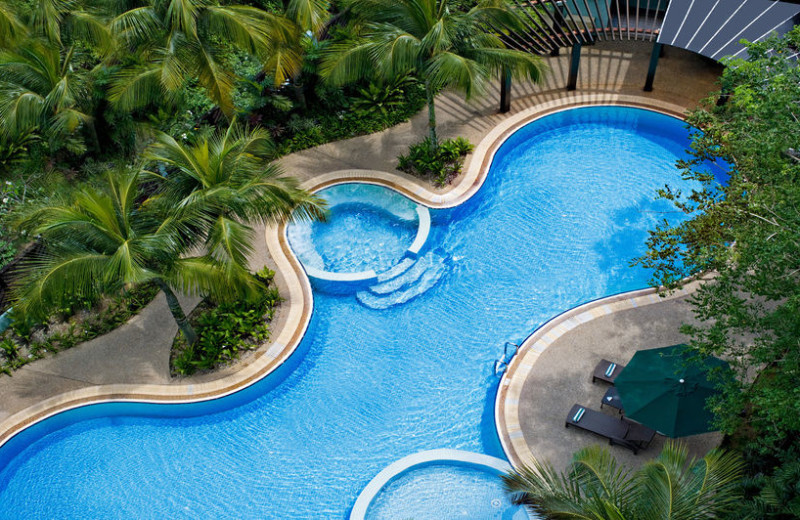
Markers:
point(420, 459)
point(293, 282)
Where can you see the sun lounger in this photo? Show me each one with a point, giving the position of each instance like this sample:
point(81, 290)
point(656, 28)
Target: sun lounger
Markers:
point(606, 371)
point(622, 432)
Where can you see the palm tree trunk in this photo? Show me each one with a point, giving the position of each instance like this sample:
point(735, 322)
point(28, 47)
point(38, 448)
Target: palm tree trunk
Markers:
point(177, 313)
point(431, 117)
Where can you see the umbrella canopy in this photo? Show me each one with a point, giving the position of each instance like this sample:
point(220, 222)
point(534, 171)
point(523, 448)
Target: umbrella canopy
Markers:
point(662, 390)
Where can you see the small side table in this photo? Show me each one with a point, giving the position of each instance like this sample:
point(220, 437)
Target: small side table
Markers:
point(611, 398)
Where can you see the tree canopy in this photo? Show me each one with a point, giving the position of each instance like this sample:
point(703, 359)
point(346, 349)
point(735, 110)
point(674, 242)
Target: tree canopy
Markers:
point(747, 233)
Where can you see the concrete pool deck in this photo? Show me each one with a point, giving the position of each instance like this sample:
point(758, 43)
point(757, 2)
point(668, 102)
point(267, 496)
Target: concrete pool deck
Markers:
point(134, 357)
point(553, 371)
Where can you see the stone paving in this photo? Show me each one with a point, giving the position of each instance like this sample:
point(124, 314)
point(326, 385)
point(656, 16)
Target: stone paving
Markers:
point(137, 353)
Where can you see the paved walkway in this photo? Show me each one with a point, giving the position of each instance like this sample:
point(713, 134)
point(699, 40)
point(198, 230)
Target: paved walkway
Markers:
point(137, 353)
point(561, 377)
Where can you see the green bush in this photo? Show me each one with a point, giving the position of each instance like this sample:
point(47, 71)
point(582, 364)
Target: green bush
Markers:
point(442, 163)
point(380, 99)
point(225, 330)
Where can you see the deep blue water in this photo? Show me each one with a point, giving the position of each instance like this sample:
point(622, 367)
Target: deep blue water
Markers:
point(565, 208)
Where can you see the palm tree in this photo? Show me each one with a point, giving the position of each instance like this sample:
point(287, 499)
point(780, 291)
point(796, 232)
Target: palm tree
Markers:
point(443, 47)
point(102, 239)
point(672, 486)
point(40, 92)
point(230, 178)
point(178, 40)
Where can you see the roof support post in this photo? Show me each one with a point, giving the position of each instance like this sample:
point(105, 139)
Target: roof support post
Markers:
point(651, 72)
point(575, 63)
point(505, 91)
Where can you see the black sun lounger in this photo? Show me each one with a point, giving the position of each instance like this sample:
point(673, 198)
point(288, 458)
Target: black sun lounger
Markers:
point(606, 371)
point(622, 432)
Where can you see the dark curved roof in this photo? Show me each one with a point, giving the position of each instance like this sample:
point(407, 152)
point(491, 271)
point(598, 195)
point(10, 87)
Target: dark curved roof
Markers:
point(712, 28)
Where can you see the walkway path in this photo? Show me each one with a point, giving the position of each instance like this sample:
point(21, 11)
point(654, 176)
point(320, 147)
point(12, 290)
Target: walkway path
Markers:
point(137, 353)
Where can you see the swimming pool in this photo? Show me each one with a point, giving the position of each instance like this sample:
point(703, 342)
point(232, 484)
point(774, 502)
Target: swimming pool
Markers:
point(565, 207)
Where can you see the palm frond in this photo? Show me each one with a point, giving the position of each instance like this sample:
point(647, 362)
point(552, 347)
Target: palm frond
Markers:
point(345, 63)
point(217, 80)
point(88, 27)
point(449, 70)
point(181, 16)
point(11, 27)
point(47, 281)
point(136, 25)
point(136, 87)
point(203, 275)
point(522, 65)
point(310, 15)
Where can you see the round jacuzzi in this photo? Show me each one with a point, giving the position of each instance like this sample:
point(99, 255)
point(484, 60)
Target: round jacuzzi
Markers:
point(369, 230)
point(439, 485)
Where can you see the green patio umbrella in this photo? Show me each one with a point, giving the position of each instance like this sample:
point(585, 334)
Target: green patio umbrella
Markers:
point(659, 389)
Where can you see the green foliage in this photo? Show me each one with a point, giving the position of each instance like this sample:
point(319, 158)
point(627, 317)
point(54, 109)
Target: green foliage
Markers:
point(595, 486)
point(441, 162)
point(188, 232)
point(749, 311)
point(380, 98)
point(225, 331)
point(11, 193)
point(42, 93)
point(772, 497)
point(445, 48)
point(747, 233)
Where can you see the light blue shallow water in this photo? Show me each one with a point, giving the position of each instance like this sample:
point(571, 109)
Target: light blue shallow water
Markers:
point(566, 206)
point(445, 492)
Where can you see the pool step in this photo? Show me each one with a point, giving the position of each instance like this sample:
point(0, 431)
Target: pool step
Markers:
point(397, 270)
point(416, 280)
point(408, 276)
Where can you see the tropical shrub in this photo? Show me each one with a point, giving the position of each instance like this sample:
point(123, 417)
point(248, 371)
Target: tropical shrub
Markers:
point(595, 486)
point(380, 98)
point(225, 330)
point(442, 163)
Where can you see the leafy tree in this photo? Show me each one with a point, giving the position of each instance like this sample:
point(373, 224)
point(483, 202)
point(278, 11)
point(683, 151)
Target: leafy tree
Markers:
point(41, 93)
point(445, 48)
point(175, 41)
point(102, 239)
point(190, 235)
point(748, 233)
point(229, 177)
point(671, 486)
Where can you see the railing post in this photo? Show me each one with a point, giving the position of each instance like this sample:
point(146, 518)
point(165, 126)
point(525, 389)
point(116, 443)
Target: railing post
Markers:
point(575, 63)
point(505, 91)
point(651, 72)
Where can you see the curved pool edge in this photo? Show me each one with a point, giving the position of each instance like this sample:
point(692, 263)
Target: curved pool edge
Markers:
point(509, 393)
point(293, 282)
point(422, 458)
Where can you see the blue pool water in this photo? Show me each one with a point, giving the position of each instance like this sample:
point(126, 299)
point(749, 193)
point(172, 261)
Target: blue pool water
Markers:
point(354, 228)
point(445, 492)
point(565, 208)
